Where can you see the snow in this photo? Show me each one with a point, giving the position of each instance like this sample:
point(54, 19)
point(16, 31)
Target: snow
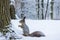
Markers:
point(49, 27)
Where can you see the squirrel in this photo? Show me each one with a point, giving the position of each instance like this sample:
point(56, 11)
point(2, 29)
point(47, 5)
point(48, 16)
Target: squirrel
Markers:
point(26, 30)
point(24, 27)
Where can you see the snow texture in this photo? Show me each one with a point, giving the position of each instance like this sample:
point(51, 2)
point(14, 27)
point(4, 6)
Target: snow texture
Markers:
point(49, 27)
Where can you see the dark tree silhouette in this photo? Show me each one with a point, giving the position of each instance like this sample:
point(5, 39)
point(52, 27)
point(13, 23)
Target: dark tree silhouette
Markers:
point(12, 12)
point(42, 5)
point(52, 4)
point(46, 8)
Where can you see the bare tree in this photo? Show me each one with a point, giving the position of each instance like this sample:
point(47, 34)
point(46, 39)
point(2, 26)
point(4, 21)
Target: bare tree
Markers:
point(58, 10)
point(42, 5)
point(22, 7)
point(52, 4)
point(18, 7)
point(38, 7)
point(46, 8)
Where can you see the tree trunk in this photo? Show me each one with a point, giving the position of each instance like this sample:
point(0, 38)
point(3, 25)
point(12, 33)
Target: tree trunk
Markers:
point(46, 8)
point(4, 14)
point(18, 8)
point(12, 12)
point(37, 8)
point(52, 3)
point(42, 5)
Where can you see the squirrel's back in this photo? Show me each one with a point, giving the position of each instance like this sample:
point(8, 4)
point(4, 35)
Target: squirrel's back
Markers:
point(25, 30)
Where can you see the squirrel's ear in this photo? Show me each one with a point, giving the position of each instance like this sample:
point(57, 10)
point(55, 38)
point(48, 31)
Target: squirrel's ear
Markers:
point(24, 17)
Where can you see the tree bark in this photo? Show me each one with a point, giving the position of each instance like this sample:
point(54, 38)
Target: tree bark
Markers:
point(46, 8)
point(37, 8)
point(52, 3)
point(42, 5)
point(4, 14)
point(12, 12)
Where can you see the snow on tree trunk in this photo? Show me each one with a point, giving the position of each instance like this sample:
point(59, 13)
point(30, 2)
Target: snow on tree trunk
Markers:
point(18, 7)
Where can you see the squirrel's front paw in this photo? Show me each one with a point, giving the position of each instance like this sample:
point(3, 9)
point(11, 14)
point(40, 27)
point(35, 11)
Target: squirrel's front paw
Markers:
point(20, 26)
point(25, 35)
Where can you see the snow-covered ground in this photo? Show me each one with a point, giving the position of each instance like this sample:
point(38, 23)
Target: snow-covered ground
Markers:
point(49, 27)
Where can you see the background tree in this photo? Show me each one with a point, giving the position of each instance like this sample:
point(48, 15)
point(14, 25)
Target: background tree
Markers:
point(12, 12)
point(42, 5)
point(18, 8)
point(46, 8)
point(52, 4)
point(38, 7)
point(22, 7)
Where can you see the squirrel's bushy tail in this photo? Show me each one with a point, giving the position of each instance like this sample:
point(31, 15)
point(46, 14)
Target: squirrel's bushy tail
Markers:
point(37, 34)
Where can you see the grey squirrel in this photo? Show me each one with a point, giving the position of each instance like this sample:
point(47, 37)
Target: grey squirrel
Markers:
point(26, 30)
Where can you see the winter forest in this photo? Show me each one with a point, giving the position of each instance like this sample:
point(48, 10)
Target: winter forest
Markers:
point(38, 9)
point(29, 19)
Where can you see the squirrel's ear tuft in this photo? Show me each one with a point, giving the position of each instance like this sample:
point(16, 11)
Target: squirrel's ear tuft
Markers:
point(24, 17)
